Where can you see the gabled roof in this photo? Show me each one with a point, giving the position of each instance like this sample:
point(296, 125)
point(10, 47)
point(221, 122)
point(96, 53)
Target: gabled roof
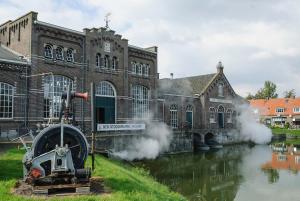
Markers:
point(185, 86)
point(8, 55)
point(268, 107)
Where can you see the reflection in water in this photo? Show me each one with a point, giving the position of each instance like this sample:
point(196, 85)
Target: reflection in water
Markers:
point(233, 173)
point(201, 176)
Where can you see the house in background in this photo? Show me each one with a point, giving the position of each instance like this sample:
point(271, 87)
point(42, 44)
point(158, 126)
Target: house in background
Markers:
point(279, 111)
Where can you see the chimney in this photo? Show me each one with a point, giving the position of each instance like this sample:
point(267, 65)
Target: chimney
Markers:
point(171, 75)
point(220, 67)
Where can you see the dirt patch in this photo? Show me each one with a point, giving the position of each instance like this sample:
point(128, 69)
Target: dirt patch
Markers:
point(96, 188)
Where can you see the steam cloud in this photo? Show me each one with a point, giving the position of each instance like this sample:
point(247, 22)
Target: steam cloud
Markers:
point(249, 127)
point(155, 141)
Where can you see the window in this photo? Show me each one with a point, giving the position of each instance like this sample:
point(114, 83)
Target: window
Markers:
point(296, 109)
point(189, 116)
point(6, 100)
point(139, 69)
point(212, 115)
point(281, 157)
point(133, 67)
point(59, 53)
point(70, 55)
point(98, 60)
point(140, 96)
point(147, 68)
point(279, 109)
point(174, 116)
point(229, 116)
point(114, 63)
point(106, 61)
point(54, 86)
point(221, 90)
point(48, 51)
point(105, 89)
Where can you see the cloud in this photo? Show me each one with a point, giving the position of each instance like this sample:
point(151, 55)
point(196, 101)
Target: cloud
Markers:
point(254, 39)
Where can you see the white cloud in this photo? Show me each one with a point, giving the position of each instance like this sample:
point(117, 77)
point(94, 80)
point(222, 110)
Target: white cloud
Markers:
point(256, 41)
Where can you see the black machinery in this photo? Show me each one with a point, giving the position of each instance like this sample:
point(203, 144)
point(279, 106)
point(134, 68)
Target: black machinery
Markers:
point(58, 153)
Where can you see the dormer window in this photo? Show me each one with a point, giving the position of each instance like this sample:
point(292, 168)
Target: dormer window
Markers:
point(48, 51)
point(59, 53)
point(70, 55)
point(280, 110)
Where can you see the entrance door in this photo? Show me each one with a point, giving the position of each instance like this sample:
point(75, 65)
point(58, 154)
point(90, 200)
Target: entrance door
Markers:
point(221, 120)
point(105, 110)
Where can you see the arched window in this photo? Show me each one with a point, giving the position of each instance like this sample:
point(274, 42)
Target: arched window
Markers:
point(54, 86)
point(229, 115)
point(147, 68)
point(114, 63)
point(212, 115)
point(174, 116)
point(221, 90)
point(6, 100)
point(59, 53)
point(139, 69)
point(189, 115)
point(133, 67)
point(221, 121)
point(105, 89)
point(106, 61)
point(70, 55)
point(48, 51)
point(221, 109)
point(98, 60)
point(140, 102)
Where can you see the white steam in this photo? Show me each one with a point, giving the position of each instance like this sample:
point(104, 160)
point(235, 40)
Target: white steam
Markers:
point(156, 140)
point(249, 127)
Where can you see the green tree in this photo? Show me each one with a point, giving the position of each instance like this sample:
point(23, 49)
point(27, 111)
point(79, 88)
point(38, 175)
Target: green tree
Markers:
point(268, 91)
point(289, 94)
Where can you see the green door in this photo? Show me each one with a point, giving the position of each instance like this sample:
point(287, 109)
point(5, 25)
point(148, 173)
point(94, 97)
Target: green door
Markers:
point(189, 118)
point(105, 110)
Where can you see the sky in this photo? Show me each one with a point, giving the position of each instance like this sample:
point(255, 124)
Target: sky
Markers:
point(256, 40)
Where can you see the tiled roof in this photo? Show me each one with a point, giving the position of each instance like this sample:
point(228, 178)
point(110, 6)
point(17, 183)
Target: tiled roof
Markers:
point(268, 107)
point(185, 86)
point(8, 55)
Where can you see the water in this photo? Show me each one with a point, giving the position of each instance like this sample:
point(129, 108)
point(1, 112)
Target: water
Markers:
point(232, 173)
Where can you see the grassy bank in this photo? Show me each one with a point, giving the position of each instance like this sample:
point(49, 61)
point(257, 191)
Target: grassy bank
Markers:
point(126, 183)
point(277, 131)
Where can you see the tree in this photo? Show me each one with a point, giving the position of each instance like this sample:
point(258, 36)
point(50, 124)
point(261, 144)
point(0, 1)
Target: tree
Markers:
point(290, 94)
point(268, 91)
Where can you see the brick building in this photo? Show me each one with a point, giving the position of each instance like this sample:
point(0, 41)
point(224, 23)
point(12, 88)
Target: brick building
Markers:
point(125, 76)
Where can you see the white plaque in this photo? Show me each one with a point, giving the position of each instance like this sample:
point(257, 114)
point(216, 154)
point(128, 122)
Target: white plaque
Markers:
point(120, 127)
point(106, 46)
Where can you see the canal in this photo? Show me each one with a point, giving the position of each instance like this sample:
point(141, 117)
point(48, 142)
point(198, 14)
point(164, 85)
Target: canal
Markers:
point(232, 173)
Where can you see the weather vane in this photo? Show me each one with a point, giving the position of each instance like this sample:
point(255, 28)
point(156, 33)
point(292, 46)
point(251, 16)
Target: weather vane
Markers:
point(107, 20)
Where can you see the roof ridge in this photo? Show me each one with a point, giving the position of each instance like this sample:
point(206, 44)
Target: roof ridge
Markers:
point(195, 76)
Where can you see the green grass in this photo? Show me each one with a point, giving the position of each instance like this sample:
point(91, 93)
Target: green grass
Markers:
point(125, 182)
point(277, 131)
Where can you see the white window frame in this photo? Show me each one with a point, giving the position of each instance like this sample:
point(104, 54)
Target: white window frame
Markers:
point(7, 93)
point(105, 89)
point(174, 116)
point(133, 67)
point(70, 55)
point(48, 51)
point(98, 60)
point(296, 109)
point(280, 110)
point(140, 69)
point(229, 115)
point(114, 63)
point(106, 62)
point(147, 68)
point(140, 101)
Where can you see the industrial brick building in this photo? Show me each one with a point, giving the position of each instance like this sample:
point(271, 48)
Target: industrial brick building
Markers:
point(39, 60)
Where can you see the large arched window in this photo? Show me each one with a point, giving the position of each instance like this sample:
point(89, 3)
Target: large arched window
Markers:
point(140, 96)
point(174, 116)
point(70, 55)
point(6, 100)
point(105, 105)
point(212, 115)
point(59, 53)
point(48, 51)
point(54, 86)
point(98, 60)
point(189, 115)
